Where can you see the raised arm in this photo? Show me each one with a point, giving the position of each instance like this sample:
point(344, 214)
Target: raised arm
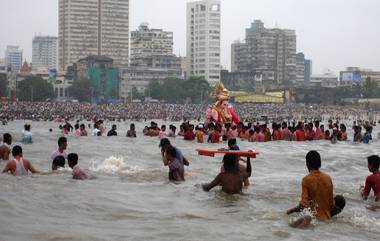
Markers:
point(248, 170)
point(164, 160)
point(214, 183)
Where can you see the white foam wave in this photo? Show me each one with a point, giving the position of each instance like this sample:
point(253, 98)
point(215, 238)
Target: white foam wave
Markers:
point(115, 165)
point(361, 219)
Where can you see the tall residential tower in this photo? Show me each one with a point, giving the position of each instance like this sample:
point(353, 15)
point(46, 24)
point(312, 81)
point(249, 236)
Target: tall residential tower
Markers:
point(45, 53)
point(203, 39)
point(13, 57)
point(93, 27)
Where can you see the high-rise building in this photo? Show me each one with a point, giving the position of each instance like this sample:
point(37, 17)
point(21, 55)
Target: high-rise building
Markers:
point(300, 73)
point(270, 53)
point(203, 39)
point(93, 27)
point(146, 42)
point(308, 69)
point(152, 59)
point(45, 53)
point(239, 57)
point(13, 57)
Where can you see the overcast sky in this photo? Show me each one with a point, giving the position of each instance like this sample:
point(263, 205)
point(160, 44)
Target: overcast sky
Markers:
point(333, 33)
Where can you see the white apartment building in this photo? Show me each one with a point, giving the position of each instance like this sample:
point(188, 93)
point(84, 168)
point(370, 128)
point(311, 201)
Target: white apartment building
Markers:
point(44, 53)
point(93, 27)
point(146, 42)
point(203, 39)
point(13, 57)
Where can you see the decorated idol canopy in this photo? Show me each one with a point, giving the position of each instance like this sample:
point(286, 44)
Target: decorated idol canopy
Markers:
point(221, 112)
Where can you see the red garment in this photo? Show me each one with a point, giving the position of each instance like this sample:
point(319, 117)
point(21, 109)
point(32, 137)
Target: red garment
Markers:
point(372, 182)
point(189, 135)
point(277, 135)
point(215, 137)
point(310, 135)
point(300, 135)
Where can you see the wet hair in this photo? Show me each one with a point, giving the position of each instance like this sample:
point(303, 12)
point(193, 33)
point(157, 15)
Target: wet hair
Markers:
point(59, 161)
point(16, 151)
point(313, 160)
point(229, 162)
point(72, 159)
point(164, 142)
point(7, 138)
point(340, 203)
point(171, 151)
point(62, 140)
point(374, 161)
point(231, 142)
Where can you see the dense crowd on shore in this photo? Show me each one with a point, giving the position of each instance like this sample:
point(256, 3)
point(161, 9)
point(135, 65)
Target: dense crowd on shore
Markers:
point(49, 111)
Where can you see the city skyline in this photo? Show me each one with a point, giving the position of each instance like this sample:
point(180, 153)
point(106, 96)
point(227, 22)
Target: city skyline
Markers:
point(334, 34)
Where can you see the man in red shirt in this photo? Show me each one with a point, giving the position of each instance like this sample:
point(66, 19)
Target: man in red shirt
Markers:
point(373, 181)
point(300, 133)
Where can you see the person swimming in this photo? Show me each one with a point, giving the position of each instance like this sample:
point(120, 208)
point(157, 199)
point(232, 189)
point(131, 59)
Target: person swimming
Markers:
point(232, 178)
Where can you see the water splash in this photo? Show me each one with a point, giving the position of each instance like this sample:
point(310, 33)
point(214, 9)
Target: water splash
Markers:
point(114, 165)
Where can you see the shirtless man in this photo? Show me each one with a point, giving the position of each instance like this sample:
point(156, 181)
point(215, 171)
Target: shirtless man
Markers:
point(5, 149)
point(232, 178)
point(19, 166)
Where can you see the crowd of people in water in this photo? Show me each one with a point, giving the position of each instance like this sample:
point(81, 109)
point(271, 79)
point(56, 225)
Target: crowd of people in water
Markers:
point(49, 111)
point(317, 187)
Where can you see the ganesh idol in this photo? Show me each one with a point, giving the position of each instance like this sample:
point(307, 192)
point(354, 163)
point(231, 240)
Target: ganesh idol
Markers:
point(221, 112)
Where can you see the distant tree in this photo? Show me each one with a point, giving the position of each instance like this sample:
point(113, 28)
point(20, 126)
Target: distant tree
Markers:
point(82, 90)
point(136, 95)
point(34, 88)
point(3, 85)
point(370, 88)
point(176, 90)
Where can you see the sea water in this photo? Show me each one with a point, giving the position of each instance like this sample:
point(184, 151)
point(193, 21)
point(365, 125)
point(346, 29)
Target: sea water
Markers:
point(131, 198)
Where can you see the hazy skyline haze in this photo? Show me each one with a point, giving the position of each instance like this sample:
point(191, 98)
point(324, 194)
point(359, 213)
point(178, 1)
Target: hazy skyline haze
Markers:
point(334, 34)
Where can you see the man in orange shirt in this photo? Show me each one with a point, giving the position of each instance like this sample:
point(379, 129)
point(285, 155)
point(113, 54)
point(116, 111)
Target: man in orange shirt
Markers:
point(317, 193)
point(199, 133)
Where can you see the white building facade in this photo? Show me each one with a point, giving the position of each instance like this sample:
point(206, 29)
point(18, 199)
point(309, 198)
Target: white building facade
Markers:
point(203, 39)
point(93, 27)
point(45, 53)
point(13, 57)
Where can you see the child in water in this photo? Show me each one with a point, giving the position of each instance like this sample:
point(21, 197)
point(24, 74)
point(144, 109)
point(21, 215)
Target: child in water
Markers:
point(78, 173)
point(232, 178)
point(372, 181)
point(174, 166)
